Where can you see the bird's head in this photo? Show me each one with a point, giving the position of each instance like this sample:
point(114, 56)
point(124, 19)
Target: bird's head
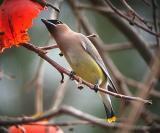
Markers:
point(55, 26)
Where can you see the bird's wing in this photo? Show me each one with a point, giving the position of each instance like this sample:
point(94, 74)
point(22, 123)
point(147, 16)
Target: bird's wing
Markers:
point(92, 51)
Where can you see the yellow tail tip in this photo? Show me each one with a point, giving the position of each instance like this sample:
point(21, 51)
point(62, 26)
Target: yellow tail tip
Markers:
point(111, 119)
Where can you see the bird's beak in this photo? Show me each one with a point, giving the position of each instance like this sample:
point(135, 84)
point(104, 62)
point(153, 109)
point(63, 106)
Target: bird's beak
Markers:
point(52, 22)
point(52, 28)
point(46, 22)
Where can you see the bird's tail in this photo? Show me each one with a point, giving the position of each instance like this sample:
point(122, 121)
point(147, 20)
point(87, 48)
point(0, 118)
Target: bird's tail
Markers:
point(108, 106)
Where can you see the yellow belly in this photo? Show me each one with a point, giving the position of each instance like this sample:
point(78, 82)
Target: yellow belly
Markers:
point(88, 69)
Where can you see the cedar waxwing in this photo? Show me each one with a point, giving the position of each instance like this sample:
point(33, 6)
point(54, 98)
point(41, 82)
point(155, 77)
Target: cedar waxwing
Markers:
point(84, 59)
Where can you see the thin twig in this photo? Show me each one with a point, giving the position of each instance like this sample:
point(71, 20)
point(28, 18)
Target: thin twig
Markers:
point(135, 14)
point(49, 47)
point(59, 95)
point(63, 70)
point(43, 3)
point(131, 20)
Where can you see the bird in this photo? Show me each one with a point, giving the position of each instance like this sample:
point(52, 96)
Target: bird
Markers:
point(84, 59)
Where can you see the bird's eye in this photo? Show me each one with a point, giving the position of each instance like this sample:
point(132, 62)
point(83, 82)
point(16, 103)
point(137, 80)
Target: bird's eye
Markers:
point(55, 21)
point(59, 22)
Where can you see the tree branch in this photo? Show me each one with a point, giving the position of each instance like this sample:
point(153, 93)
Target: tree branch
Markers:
point(63, 70)
point(76, 113)
point(136, 40)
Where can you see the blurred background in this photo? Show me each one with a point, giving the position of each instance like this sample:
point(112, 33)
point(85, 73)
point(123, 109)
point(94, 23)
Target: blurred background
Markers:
point(18, 67)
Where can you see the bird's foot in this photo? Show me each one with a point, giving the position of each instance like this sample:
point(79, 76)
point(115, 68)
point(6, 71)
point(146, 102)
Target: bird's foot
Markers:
point(80, 86)
point(61, 54)
point(95, 88)
point(71, 75)
point(62, 80)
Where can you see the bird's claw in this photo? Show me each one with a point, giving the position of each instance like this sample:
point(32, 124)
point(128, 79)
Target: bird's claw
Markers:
point(80, 87)
point(62, 80)
point(95, 88)
point(71, 75)
point(60, 54)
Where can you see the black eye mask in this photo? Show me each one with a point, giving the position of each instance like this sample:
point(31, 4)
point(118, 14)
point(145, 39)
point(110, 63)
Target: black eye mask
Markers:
point(55, 21)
